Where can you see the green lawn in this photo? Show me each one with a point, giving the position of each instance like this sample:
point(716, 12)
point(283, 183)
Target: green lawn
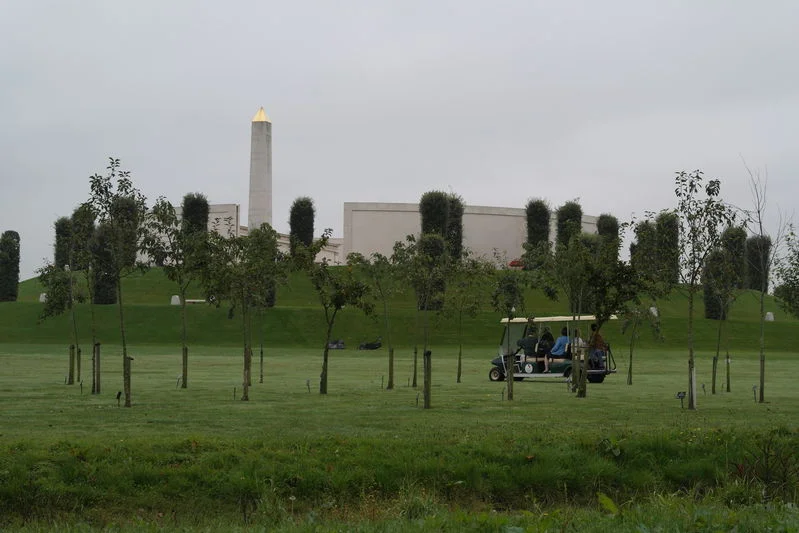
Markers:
point(366, 459)
point(369, 457)
point(37, 405)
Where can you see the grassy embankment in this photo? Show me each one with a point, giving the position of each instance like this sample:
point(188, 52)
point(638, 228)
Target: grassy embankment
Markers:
point(370, 458)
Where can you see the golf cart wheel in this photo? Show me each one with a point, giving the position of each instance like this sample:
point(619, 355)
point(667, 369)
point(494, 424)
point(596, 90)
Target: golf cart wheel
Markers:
point(596, 378)
point(568, 372)
point(495, 375)
point(528, 368)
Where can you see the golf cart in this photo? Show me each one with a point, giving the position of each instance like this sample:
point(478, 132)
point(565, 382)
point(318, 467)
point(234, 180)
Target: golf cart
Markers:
point(536, 335)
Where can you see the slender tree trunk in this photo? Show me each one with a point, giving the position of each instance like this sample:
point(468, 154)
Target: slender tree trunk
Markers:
point(74, 322)
point(691, 364)
point(416, 351)
point(183, 339)
point(460, 358)
point(245, 385)
point(460, 346)
point(95, 345)
point(94, 369)
point(415, 359)
point(126, 366)
point(510, 365)
point(249, 345)
point(426, 363)
point(261, 343)
point(728, 371)
point(633, 333)
point(323, 376)
point(763, 340)
point(583, 391)
point(71, 370)
point(96, 348)
point(390, 385)
point(716, 358)
point(428, 378)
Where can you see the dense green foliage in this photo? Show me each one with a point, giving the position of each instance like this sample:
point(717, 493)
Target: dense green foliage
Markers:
point(82, 222)
point(716, 277)
point(538, 215)
point(454, 235)
point(434, 211)
point(569, 222)
point(63, 242)
point(103, 277)
point(667, 230)
point(301, 223)
point(758, 261)
point(9, 266)
point(194, 213)
point(733, 240)
point(607, 226)
point(643, 251)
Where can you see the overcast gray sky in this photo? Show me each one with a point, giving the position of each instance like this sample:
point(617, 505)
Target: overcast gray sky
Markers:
point(382, 101)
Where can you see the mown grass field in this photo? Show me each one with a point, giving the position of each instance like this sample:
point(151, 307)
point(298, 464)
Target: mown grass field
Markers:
point(366, 459)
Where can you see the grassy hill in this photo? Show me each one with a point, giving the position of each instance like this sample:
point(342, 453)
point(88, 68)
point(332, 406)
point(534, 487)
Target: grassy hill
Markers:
point(297, 320)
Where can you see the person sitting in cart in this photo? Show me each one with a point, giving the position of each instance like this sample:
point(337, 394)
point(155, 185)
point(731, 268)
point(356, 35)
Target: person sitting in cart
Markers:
point(597, 347)
point(559, 349)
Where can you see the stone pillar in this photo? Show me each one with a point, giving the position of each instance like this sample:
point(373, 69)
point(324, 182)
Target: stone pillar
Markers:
point(260, 200)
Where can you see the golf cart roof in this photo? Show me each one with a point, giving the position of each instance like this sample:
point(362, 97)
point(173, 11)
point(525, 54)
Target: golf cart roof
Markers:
point(543, 319)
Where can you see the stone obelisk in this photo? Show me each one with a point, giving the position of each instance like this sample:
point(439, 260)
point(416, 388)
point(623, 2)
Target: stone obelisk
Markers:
point(260, 203)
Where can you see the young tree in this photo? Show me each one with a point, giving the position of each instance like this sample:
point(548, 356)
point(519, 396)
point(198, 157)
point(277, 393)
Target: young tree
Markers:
point(702, 215)
point(508, 298)
point(59, 287)
point(763, 259)
point(615, 288)
point(121, 209)
point(83, 233)
point(468, 284)
point(383, 283)
point(58, 280)
point(337, 288)
point(424, 266)
point(644, 258)
point(719, 282)
point(241, 271)
point(9, 266)
point(177, 247)
point(301, 223)
point(569, 222)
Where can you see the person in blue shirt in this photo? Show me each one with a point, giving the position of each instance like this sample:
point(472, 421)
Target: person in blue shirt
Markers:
point(559, 348)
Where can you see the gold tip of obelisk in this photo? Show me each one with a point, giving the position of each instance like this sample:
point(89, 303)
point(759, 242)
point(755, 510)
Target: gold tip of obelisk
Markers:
point(261, 116)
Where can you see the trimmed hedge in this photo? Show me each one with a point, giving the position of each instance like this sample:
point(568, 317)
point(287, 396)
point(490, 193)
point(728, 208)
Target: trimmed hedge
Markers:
point(9, 266)
point(538, 216)
point(758, 249)
point(301, 223)
point(570, 222)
